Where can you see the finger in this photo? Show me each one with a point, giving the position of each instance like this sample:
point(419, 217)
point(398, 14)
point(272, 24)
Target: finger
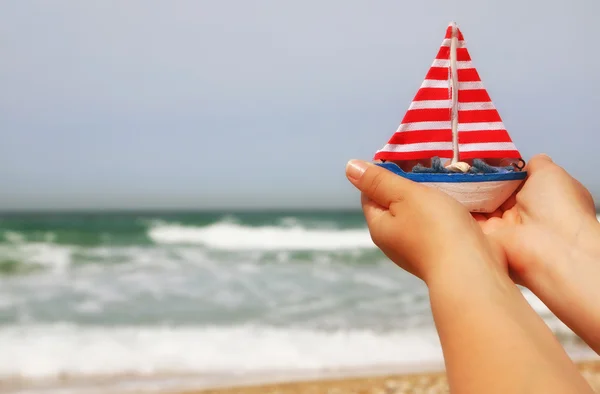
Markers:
point(379, 184)
point(492, 224)
point(511, 216)
point(538, 162)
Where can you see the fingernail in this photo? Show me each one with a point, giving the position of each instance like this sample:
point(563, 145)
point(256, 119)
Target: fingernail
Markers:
point(355, 169)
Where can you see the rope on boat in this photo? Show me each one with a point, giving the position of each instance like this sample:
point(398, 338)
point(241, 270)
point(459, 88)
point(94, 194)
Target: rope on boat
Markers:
point(479, 167)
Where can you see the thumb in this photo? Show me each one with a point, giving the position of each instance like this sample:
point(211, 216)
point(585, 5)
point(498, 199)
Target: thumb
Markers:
point(538, 162)
point(379, 184)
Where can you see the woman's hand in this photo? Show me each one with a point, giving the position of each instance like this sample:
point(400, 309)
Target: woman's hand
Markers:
point(555, 202)
point(487, 329)
point(421, 229)
point(551, 237)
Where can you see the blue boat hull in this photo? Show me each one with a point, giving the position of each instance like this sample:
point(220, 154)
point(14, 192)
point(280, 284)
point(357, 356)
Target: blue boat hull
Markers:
point(478, 192)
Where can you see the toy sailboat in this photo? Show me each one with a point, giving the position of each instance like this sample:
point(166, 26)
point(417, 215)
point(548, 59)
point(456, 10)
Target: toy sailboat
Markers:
point(453, 117)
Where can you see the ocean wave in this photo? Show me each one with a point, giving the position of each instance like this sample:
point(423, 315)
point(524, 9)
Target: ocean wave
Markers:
point(31, 257)
point(232, 236)
point(36, 257)
point(25, 257)
point(66, 350)
point(49, 351)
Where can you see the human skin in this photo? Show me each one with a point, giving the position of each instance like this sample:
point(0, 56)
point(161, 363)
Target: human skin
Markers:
point(492, 340)
point(551, 239)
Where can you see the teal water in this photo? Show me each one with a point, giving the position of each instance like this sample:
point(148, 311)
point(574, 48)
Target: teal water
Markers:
point(130, 228)
point(90, 294)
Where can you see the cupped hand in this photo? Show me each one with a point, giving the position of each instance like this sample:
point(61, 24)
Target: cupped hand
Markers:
point(551, 198)
point(421, 229)
point(433, 236)
point(551, 206)
point(551, 238)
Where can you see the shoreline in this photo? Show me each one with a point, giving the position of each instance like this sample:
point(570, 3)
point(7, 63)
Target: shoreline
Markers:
point(172, 383)
point(431, 382)
point(391, 379)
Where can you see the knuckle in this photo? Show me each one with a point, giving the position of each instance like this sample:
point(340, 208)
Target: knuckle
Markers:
point(382, 184)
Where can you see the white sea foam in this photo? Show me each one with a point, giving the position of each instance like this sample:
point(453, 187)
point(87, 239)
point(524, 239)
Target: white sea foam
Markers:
point(59, 258)
point(231, 236)
point(47, 351)
point(47, 255)
point(290, 235)
point(61, 350)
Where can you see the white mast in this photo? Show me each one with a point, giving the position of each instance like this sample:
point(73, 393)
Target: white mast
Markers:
point(454, 90)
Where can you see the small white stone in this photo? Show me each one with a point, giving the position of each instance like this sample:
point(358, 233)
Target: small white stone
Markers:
point(460, 166)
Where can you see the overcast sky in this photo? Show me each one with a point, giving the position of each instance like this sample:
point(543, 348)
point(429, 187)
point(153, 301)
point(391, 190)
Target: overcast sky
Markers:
point(239, 103)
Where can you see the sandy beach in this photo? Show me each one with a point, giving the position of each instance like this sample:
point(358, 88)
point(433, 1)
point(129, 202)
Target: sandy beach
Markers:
point(430, 383)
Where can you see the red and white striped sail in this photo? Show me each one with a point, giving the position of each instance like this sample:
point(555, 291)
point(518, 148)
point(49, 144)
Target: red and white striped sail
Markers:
point(426, 129)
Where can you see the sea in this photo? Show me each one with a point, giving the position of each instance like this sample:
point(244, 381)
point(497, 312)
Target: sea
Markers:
point(124, 301)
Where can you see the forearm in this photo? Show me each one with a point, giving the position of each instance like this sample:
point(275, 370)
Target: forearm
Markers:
point(566, 279)
point(492, 340)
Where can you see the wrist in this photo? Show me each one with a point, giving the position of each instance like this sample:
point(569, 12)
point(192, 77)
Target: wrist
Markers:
point(536, 251)
point(460, 275)
point(567, 285)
